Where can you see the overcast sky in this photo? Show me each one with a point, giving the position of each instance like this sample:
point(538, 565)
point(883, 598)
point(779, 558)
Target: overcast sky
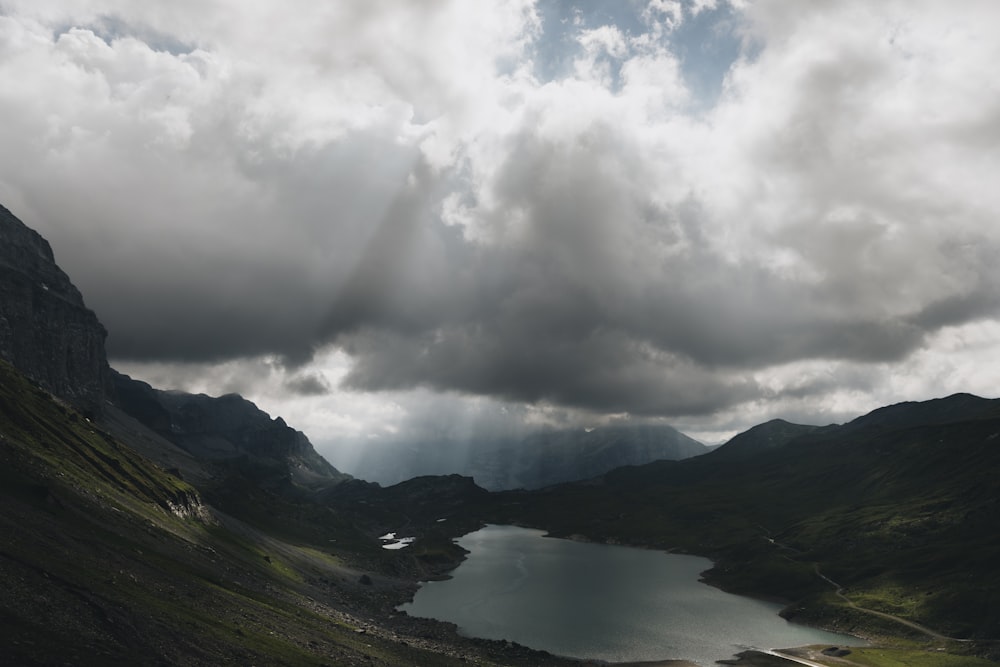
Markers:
point(385, 219)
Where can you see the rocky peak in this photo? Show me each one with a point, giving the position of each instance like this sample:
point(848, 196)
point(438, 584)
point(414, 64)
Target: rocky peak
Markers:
point(46, 330)
point(761, 438)
point(225, 428)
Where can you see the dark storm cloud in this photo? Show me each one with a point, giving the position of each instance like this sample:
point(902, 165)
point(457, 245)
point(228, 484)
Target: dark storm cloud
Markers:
point(604, 371)
point(454, 223)
point(308, 385)
point(591, 294)
point(580, 307)
point(246, 275)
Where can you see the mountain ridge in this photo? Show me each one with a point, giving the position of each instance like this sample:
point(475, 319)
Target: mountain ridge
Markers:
point(46, 329)
point(124, 543)
point(769, 435)
point(225, 429)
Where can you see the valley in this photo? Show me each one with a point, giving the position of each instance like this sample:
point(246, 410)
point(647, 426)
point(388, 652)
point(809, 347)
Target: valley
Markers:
point(161, 528)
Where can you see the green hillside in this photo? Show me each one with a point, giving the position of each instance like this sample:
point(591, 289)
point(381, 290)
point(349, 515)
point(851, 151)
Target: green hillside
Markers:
point(107, 559)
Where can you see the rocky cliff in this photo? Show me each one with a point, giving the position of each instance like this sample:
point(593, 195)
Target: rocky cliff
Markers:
point(530, 462)
point(49, 335)
point(227, 429)
point(46, 330)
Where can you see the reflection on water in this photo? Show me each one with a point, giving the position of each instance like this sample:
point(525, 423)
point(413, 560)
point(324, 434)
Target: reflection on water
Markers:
point(601, 602)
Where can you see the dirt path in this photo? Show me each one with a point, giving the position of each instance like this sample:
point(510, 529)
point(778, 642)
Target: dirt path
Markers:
point(910, 624)
point(839, 590)
point(792, 658)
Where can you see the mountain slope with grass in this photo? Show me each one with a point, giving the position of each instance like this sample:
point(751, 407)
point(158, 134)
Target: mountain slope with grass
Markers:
point(160, 528)
point(230, 433)
point(109, 559)
point(897, 507)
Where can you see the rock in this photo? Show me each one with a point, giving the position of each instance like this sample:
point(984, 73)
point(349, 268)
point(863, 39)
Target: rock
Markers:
point(227, 428)
point(49, 334)
point(46, 330)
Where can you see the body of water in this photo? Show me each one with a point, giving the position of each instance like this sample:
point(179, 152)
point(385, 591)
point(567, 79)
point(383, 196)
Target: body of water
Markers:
point(601, 602)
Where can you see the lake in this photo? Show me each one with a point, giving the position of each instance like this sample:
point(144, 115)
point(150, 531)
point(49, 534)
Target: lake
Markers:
point(601, 602)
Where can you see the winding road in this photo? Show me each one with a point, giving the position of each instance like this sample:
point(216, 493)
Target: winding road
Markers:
point(910, 624)
point(839, 591)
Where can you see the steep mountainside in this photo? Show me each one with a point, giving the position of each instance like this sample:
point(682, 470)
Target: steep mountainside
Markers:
point(535, 461)
point(46, 329)
point(169, 529)
point(228, 430)
point(107, 559)
point(47, 332)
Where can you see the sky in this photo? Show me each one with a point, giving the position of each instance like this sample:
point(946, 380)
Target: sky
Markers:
point(388, 220)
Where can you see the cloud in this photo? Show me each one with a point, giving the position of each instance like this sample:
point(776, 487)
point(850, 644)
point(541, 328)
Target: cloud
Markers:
point(308, 385)
point(663, 209)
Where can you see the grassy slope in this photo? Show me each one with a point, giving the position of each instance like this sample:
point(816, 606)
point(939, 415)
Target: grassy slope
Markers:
point(870, 657)
point(107, 559)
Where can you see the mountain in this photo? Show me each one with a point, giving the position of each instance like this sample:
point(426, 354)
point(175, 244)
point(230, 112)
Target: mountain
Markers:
point(954, 408)
point(769, 435)
point(108, 559)
point(48, 333)
point(547, 458)
point(46, 330)
point(228, 430)
point(161, 528)
point(534, 461)
point(898, 507)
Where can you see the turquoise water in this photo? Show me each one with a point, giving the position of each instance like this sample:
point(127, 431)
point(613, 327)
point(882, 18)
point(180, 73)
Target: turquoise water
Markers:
point(601, 602)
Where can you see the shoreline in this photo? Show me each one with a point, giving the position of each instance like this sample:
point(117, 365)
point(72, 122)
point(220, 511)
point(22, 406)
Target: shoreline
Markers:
point(445, 573)
point(708, 580)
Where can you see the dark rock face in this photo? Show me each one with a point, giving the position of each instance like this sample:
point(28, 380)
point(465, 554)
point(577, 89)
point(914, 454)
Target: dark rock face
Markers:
point(48, 333)
point(226, 428)
point(46, 330)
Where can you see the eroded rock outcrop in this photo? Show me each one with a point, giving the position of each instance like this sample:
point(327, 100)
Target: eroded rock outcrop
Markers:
point(46, 330)
point(49, 335)
point(227, 428)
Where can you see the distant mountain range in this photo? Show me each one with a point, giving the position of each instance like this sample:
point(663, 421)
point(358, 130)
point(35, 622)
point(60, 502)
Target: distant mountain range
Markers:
point(534, 461)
